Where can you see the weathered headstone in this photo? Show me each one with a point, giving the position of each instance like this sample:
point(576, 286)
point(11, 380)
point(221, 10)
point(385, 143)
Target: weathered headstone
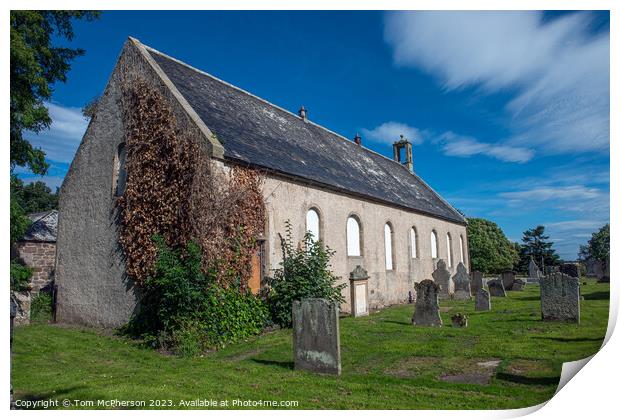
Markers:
point(496, 288)
point(476, 282)
point(533, 271)
point(518, 285)
point(570, 269)
point(426, 311)
point(358, 279)
point(604, 277)
point(462, 288)
point(441, 275)
point(316, 336)
point(483, 300)
point(508, 278)
point(559, 297)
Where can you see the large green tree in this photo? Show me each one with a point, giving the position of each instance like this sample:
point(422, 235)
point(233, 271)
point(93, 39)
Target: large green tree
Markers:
point(36, 64)
point(598, 245)
point(489, 249)
point(33, 197)
point(536, 244)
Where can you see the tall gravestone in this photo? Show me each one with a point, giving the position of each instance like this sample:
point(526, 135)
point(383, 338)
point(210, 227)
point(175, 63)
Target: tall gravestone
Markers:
point(426, 312)
point(559, 297)
point(508, 278)
point(533, 272)
point(316, 336)
point(462, 288)
point(483, 300)
point(441, 275)
point(496, 288)
point(358, 279)
point(476, 282)
point(605, 267)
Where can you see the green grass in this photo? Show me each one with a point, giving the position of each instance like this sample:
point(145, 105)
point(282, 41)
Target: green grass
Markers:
point(386, 362)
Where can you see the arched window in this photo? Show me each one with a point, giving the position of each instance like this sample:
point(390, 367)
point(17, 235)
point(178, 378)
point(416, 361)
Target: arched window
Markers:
point(433, 244)
point(313, 223)
point(120, 170)
point(389, 257)
point(353, 237)
point(449, 249)
point(414, 243)
point(461, 248)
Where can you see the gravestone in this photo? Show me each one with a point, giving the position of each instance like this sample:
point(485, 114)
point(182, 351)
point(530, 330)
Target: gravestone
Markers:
point(483, 300)
point(316, 336)
point(604, 276)
point(518, 285)
point(476, 282)
point(441, 275)
point(426, 311)
point(462, 289)
point(570, 269)
point(533, 271)
point(559, 297)
point(508, 278)
point(358, 279)
point(496, 288)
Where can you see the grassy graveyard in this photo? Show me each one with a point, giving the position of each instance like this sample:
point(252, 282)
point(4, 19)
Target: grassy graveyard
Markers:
point(505, 358)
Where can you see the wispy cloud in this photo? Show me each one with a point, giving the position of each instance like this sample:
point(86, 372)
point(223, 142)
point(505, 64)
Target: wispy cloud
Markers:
point(389, 132)
point(575, 192)
point(559, 71)
point(63, 138)
point(457, 145)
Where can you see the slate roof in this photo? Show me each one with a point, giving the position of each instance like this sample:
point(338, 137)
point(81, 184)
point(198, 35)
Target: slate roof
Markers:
point(256, 132)
point(43, 228)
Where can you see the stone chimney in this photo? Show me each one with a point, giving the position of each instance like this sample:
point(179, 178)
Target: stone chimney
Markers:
point(357, 139)
point(403, 143)
point(303, 114)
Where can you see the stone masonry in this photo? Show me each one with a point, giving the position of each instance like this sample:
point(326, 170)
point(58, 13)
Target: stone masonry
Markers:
point(40, 257)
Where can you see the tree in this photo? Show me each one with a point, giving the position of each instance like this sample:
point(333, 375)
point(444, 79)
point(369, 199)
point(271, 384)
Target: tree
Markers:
point(490, 251)
point(36, 65)
point(34, 197)
point(535, 244)
point(597, 247)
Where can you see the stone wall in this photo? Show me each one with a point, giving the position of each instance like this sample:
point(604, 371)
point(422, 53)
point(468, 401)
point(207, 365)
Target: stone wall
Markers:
point(40, 257)
point(289, 200)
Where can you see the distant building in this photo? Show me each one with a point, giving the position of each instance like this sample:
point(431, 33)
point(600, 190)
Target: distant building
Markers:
point(37, 249)
point(371, 210)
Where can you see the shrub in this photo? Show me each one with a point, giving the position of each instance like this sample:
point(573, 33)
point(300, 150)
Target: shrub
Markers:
point(20, 276)
point(41, 307)
point(183, 310)
point(304, 273)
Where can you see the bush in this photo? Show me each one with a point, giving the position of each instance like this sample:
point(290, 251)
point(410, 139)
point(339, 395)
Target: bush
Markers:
point(489, 249)
point(304, 273)
point(41, 307)
point(20, 276)
point(185, 311)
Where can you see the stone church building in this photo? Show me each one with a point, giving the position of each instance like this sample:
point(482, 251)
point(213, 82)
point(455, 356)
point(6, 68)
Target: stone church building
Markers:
point(373, 211)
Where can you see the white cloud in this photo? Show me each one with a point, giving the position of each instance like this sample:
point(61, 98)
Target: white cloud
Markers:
point(390, 132)
point(575, 192)
point(63, 138)
point(559, 72)
point(465, 146)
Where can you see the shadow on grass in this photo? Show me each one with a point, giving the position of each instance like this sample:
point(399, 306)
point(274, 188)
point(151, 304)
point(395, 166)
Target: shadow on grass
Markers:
point(524, 380)
point(569, 340)
point(283, 365)
point(596, 296)
point(525, 298)
point(396, 322)
point(56, 395)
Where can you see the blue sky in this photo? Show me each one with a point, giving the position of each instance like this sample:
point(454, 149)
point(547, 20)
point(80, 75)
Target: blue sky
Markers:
point(508, 111)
